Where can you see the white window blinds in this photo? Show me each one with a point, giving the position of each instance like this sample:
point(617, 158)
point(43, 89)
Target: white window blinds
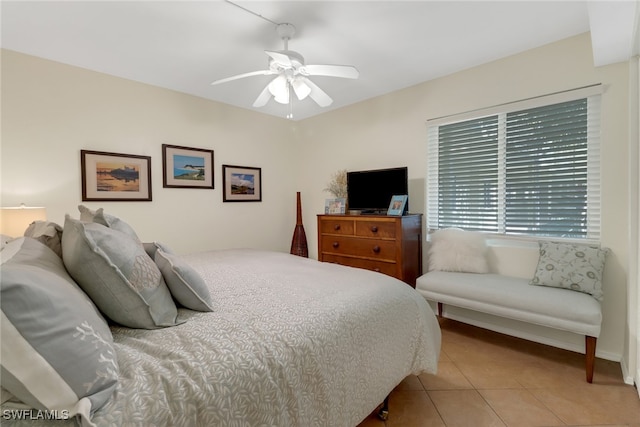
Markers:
point(527, 168)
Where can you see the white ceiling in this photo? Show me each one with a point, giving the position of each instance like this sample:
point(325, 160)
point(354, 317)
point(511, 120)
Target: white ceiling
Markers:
point(185, 45)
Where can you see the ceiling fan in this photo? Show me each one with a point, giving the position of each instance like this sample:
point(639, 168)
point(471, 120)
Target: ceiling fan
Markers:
point(292, 73)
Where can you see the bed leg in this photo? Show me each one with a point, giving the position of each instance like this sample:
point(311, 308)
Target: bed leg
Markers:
point(440, 309)
point(383, 412)
point(590, 356)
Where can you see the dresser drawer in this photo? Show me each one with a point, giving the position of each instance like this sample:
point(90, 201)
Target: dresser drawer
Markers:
point(382, 229)
point(379, 266)
point(388, 244)
point(337, 226)
point(370, 248)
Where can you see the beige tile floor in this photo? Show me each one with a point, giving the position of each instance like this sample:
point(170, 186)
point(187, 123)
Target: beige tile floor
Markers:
point(487, 379)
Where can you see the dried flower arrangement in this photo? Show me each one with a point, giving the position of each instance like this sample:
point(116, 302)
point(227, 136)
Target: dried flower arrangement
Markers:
point(338, 184)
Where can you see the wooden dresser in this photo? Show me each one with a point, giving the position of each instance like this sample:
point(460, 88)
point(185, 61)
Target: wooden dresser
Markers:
point(388, 244)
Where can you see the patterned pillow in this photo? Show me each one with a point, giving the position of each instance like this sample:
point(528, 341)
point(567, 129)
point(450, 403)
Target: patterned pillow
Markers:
point(118, 275)
point(571, 266)
point(453, 249)
point(57, 350)
point(185, 284)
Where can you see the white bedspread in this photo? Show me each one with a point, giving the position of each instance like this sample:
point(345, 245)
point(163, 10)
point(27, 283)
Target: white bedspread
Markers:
point(292, 342)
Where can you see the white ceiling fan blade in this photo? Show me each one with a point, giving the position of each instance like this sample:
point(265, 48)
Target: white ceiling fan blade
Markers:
point(241, 76)
point(317, 94)
point(301, 89)
point(344, 71)
point(263, 98)
point(280, 58)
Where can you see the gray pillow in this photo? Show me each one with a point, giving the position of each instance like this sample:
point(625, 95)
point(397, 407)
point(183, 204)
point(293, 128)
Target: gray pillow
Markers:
point(577, 267)
point(57, 350)
point(111, 221)
point(48, 233)
point(118, 275)
point(185, 284)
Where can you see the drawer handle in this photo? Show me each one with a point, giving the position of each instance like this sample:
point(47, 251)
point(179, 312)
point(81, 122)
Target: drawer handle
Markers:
point(336, 227)
point(335, 244)
point(374, 229)
point(376, 249)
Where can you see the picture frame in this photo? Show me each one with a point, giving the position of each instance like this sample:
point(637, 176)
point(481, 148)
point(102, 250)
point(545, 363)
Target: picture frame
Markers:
point(397, 204)
point(187, 167)
point(241, 184)
point(335, 206)
point(115, 176)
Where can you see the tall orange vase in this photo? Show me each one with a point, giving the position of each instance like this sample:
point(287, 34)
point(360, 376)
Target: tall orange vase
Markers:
point(299, 242)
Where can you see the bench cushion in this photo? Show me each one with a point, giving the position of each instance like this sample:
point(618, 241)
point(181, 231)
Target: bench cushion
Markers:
point(514, 298)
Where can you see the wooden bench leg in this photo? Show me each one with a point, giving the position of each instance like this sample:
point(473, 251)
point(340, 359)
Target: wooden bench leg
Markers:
point(440, 309)
point(590, 356)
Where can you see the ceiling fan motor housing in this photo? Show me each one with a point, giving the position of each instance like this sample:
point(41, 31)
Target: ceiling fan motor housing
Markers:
point(295, 59)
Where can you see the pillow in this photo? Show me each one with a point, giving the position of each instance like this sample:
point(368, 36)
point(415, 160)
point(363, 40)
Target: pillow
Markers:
point(4, 239)
point(571, 266)
point(118, 275)
point(98, 216)
point(48, 233)
point(453, 249)
point(57, 350)
point(185, 284)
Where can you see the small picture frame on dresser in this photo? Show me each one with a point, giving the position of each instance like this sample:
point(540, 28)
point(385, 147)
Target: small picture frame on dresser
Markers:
point(397, 204)
point(335, 206)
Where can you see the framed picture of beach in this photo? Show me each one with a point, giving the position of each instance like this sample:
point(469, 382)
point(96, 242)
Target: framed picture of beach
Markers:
point(185, 167)
point(115, 177)
point(241, 184)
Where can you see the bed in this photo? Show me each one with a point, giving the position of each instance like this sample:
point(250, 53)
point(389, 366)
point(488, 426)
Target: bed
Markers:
point(284, 341)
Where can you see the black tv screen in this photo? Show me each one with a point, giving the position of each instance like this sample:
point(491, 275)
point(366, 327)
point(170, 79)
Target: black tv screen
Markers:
point(370, 191)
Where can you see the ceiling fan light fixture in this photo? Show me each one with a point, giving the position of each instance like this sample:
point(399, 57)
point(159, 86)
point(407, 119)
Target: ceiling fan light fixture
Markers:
point(278, 85)
point(300, 88)
point(292, 74)
point(283, 96)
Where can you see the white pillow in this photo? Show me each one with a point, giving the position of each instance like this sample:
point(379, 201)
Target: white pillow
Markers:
point(453, 249)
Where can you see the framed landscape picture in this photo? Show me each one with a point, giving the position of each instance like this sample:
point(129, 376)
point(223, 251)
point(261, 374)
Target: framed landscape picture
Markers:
point(115, 177)
point(241, 184)
point(184, 167)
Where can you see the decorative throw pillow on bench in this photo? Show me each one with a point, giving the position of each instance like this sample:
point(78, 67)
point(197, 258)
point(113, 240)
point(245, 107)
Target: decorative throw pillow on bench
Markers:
point(454, 249)
point(572, 266)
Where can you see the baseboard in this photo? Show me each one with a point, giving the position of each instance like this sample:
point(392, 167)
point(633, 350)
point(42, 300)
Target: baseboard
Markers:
point(627, 375)
point(528, 335)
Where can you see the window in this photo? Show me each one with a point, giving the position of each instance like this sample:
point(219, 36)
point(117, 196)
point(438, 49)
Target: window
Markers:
point(527, 168)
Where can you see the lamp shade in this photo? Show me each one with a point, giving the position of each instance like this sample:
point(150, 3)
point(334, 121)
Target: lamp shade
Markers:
point(14, 221)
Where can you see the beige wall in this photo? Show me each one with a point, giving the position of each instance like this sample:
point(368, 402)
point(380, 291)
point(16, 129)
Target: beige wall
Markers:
point(50, 111)
point(390, 131)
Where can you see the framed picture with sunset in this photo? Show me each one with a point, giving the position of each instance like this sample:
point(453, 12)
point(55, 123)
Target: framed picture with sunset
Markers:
point(115, 176)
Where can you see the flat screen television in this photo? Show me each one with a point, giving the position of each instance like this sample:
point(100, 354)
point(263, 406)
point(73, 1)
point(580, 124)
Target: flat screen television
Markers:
point(370, 191)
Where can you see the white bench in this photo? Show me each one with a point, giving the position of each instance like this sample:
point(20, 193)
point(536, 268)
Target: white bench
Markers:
point(514, 298)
